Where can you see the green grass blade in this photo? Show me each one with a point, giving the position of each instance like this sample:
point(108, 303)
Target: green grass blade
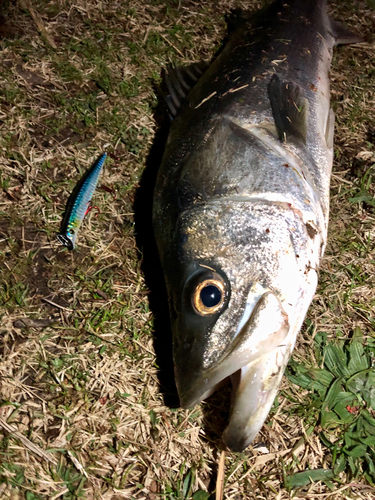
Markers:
point(302, 479)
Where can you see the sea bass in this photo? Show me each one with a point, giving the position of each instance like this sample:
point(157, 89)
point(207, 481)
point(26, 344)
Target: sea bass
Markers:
point(241, 206)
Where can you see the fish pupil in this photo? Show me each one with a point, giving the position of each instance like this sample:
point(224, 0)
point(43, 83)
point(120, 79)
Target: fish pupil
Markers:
point(210, 296)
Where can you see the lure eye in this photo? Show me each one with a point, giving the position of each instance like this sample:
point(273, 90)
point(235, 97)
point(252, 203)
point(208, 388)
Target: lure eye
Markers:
point(209, 296)
point(71, 231)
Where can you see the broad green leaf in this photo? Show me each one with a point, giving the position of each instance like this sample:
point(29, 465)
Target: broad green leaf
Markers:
point(350, 440)
point(333, 393)
point(345, 399)
point(357, 334)
point(369, 441)
point(320, 376)
point(309, 476)
point(363, 383)
point(359, 360)
point(312, 378)
point(336, 360)
point(371, 421)
point(357, 451)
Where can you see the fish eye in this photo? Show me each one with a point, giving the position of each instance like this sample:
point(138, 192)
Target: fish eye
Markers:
point(209, 296)
point(71, 231)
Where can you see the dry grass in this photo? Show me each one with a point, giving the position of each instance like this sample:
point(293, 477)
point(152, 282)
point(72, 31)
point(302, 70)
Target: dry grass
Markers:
point(85, 367)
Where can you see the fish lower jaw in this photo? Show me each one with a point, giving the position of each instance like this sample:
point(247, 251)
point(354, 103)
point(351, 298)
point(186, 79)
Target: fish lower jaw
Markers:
point(254, 388)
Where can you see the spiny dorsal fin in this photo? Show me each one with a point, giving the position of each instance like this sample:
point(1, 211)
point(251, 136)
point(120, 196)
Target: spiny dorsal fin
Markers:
point(289, 109)
point(179, 82)
point(342, 34)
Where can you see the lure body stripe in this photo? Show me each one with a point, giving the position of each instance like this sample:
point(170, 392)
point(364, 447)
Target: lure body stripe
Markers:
point(78, 202)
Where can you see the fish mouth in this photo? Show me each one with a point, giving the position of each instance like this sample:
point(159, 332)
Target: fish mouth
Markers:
point(255, 364)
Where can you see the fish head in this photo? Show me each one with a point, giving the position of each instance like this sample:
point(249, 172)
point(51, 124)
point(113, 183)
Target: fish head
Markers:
point(238, 292)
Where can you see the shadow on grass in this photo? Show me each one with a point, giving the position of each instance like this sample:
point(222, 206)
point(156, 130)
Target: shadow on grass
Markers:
point(151, 264)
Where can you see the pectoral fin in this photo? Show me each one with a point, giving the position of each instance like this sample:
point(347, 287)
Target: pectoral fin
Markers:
point(289, 109)
point(343, 35)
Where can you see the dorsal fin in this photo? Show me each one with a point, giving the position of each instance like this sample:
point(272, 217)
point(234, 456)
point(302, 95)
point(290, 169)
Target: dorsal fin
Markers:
point(179, 81)
point(289, 109)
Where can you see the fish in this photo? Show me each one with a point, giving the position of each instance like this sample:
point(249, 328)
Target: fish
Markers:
point(79, 202)
point(241, 206)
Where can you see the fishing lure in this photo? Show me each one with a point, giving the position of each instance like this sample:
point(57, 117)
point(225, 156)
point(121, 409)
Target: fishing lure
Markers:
point(78, 202)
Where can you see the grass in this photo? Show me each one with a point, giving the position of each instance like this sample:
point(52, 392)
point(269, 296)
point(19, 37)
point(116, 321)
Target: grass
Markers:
point(85, 359)
point(342, 395)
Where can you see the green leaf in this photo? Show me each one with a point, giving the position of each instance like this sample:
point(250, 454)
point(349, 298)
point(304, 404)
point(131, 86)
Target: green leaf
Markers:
point(124, 394)
point(369, 419)
point(357, 334)
point(371, 466)
point(320, 377)
point(363, 196)
point(332, 397)
point(153, 418)
point(336, 360)
point(358, 359)
point(369, 441)
point(357, 451)
point(363, 383)
point(187, 484)
point(351, 440)
point(352, 465)
point(345, 399)
point(311, 378)
point(325, 439)
point(201, 495)
point(339, 465)
point(309, 476)
point(328, 417)
point(366, 422)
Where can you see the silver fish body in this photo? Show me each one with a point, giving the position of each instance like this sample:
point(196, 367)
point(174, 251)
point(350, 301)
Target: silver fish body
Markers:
point(241, 209)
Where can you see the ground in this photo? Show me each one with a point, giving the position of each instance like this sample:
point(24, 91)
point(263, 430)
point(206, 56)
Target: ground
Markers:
point(88, 407)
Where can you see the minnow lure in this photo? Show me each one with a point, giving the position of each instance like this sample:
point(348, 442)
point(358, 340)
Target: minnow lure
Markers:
point(78, 202)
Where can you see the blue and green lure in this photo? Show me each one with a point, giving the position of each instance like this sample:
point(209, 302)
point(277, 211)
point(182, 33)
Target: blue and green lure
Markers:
point(78, 203)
